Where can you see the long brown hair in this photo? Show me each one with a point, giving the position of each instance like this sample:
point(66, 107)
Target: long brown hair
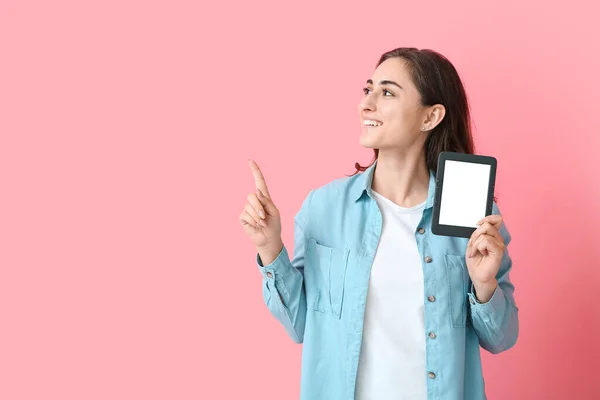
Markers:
point(438, 82)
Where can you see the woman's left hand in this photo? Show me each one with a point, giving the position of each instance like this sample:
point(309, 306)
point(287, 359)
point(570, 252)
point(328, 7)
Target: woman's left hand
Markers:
point(485, 250)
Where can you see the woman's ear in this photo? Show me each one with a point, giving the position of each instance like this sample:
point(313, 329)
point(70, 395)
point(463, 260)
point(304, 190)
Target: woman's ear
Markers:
point(435, 115)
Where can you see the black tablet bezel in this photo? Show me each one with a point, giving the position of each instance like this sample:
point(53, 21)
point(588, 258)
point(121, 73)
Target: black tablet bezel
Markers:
point(453, 230)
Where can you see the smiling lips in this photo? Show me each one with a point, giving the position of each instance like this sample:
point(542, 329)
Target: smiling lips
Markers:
point(371, 123)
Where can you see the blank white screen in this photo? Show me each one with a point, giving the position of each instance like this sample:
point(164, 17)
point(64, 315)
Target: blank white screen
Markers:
point(464, 193)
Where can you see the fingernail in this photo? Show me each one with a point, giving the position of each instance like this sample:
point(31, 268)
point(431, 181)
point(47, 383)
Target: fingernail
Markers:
point(261, 214)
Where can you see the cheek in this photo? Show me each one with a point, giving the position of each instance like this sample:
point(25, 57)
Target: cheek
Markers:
point(398, 116)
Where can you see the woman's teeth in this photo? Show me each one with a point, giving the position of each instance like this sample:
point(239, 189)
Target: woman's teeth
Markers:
point(368, 122)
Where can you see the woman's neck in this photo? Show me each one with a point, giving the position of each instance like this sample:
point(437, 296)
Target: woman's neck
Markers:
point(401, 178)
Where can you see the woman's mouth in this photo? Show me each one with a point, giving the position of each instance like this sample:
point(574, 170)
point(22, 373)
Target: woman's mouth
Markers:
point(371, 123)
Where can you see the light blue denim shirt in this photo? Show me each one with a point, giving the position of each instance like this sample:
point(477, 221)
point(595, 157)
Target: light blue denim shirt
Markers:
point(319, 295)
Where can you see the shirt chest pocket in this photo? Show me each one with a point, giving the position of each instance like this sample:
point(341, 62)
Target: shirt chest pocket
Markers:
point(324, 276)
point(458, 287)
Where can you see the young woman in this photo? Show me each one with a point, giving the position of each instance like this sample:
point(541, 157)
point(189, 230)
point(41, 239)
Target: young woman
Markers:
point(384, 308)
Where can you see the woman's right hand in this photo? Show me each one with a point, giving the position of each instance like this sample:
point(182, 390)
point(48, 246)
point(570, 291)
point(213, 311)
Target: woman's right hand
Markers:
point(261, 220)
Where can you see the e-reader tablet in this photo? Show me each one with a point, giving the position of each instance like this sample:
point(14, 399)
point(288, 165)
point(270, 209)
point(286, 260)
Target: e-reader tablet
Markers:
point(464, 193)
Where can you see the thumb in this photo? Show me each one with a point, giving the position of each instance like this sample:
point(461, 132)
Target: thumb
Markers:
point(267, 204)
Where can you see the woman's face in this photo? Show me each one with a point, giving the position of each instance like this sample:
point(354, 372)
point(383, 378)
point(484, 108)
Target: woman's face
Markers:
point(391, 112)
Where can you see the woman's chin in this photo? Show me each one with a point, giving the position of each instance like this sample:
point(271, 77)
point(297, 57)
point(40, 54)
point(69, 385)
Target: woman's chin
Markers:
point(367, 141)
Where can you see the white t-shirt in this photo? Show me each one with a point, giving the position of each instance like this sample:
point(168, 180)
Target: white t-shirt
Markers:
point(392, 357)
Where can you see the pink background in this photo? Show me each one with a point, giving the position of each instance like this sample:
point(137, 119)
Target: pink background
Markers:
point(125, 130)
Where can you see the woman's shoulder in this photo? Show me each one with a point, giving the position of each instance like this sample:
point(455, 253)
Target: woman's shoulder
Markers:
point(504, 232)
point(329, 200)
point(338, 189)
point(332, 196)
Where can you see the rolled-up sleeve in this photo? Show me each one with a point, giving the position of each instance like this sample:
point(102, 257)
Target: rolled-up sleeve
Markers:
point(283, 280)
point(496, 321)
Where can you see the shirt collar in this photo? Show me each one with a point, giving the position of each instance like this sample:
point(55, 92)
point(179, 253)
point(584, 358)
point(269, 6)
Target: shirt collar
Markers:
point(364, 182)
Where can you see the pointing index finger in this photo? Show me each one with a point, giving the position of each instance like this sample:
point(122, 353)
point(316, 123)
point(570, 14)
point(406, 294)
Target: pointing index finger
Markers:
point(259, 179)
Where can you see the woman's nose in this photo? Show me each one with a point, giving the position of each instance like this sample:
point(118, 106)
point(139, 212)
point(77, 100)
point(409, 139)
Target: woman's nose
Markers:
point(367, 104)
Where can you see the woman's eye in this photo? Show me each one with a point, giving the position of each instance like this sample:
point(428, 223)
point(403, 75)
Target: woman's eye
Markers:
point(385, 92)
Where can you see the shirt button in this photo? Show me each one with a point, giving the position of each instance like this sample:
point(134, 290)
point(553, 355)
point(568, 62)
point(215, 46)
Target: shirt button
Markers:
point(431, 298)
point(269, 274)
point(421, 230)
point(432, 335)
point(431, 375)
point(428, 259)
point(472, 301)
